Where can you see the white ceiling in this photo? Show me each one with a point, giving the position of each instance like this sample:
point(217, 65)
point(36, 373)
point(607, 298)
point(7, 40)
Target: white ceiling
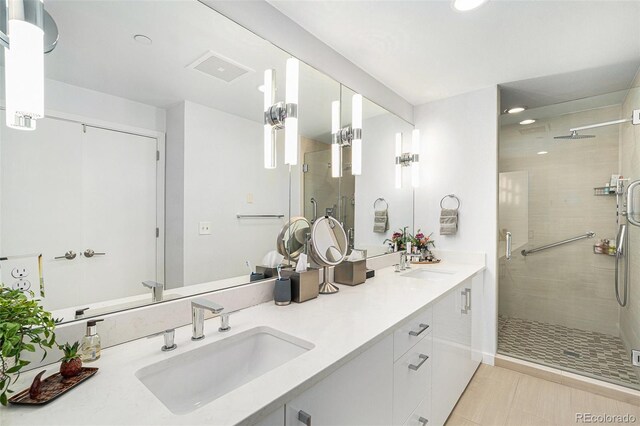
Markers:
point(424, 50)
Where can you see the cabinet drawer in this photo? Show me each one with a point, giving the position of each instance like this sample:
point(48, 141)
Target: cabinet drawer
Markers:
point(411, 333)
point(411, 380)
point(422, 415)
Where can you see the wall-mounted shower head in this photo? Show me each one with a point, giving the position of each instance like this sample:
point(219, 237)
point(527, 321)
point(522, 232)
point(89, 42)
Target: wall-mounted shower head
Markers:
point(574, 135)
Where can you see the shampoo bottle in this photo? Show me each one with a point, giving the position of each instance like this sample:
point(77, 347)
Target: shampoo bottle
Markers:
point(90, 347)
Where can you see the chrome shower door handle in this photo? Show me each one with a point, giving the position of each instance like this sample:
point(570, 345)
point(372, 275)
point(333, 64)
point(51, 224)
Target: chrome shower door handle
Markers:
point(314, 203)
point(630, 203)
point(70, 255)
point(508, 246)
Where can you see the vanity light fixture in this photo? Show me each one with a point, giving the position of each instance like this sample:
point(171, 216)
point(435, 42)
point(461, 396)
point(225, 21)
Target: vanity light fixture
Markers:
point(542, 152)
point(281, 115)
point(527, 121)
point(406, 159)
point(346, 136)
point(27, 31)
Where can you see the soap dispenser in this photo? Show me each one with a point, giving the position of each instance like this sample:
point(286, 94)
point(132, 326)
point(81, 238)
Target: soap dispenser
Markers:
point(90, 347)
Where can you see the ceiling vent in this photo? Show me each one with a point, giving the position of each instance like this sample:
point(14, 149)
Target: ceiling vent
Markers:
point(532, 130)
point(218, 66)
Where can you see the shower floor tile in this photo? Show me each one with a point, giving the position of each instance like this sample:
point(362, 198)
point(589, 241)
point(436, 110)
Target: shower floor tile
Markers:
point(584, 352)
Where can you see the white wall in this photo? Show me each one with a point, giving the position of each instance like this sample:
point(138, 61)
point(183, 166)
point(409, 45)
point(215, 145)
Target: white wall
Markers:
point(459, 143)
point(378, 180)
point(223, 169)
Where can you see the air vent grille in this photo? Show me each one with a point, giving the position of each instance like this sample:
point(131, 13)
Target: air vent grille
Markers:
point(220, 67)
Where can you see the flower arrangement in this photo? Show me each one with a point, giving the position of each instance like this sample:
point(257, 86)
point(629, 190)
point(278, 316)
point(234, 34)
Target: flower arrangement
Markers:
point(421, 242)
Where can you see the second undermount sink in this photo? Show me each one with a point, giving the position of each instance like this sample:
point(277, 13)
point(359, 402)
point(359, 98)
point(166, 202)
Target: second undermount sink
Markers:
point(193, 379)
point(428, 274)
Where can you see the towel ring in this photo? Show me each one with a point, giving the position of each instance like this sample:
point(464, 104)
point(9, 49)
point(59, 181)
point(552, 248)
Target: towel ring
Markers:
point(450, 196)
point(380, 199)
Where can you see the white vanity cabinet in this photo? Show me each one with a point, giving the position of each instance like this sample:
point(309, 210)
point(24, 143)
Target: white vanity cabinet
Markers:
point(455, 359)
point(358, 393)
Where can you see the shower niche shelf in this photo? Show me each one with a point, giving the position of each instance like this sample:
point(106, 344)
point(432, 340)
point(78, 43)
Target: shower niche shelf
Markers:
point(604, 190)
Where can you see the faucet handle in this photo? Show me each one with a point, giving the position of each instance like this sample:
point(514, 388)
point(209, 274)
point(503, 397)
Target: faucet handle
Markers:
point(169, 344)
point(224, 323)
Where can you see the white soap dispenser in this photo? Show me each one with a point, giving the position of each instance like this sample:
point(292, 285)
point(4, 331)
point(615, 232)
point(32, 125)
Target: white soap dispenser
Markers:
point(90, 346)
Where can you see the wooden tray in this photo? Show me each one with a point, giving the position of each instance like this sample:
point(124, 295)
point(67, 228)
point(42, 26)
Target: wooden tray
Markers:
point(424, 262)
point(52, 387)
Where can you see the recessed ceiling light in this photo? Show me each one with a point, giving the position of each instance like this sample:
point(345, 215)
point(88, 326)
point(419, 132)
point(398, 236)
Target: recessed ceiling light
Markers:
point(142, 39)
point(515, 110)
point(542, 152)
point(465, 5)
point(528, 121)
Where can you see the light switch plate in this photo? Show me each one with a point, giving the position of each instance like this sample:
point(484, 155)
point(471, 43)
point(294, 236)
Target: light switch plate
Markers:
point(205, 228)
point(636, 117)
point(635, 358)
point(249, 198)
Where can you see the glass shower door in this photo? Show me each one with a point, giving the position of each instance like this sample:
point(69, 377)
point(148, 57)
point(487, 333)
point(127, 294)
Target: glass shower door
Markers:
point(561, 200)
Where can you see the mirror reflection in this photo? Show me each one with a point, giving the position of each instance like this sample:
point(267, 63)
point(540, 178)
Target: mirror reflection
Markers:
point(146, 179)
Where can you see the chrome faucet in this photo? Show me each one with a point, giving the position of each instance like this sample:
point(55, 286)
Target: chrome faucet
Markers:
point(156, 290)
point(197, 315)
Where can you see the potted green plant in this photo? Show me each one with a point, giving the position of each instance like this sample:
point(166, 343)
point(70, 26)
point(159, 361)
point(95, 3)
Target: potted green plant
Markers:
point(71, 363)
point(24, 324)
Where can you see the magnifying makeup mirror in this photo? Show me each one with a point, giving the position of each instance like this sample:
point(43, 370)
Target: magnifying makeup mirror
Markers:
point(328, 248)
point(293, 238)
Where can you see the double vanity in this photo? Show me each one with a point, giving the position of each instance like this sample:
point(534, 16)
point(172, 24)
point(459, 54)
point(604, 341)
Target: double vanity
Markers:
point(398, 349)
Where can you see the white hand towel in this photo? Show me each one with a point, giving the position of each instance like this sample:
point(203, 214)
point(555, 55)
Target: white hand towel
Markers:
point(448, 221)
point(381, 221)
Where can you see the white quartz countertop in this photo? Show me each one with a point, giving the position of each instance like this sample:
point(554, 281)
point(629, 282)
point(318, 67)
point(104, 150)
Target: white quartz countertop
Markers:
point(341, 326)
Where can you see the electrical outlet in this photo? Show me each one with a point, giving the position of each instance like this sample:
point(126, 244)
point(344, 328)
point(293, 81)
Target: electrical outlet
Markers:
point(22, 285)
point(205, 228)
point(19, 272)
point(635, 358)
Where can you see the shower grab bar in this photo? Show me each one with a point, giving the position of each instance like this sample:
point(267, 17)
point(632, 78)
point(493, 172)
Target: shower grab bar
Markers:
point(589, 234)
point(248, 216)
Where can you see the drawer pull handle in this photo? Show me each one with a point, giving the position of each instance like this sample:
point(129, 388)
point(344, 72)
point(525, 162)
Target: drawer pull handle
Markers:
point(304, 418)
point(423, 328)
point(423, 421)
point(415, 367)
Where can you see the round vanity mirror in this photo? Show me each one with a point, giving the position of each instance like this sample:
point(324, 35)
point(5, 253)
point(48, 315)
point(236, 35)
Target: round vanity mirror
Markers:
point(293, 237)
point(328, 248)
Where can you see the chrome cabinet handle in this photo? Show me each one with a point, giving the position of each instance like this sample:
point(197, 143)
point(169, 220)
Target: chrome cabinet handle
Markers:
point(466, 293)
point(508, 253)
point(304, 418)
point(91, 253)
point(70, 255)
point(630, 203)
point(423, 421)
point(415, 367)
point(423, 328)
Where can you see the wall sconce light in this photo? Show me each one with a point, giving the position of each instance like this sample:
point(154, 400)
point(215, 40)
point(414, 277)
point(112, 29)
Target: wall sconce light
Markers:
point(281, 115)
point(408, 159)
point(346, 136)
point(27, 32)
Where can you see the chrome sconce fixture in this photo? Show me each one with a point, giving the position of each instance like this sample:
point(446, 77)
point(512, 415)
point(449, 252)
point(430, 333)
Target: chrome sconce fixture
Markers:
point(408, 159)
point(346, 136)
point(27, 32)
point(281, 115)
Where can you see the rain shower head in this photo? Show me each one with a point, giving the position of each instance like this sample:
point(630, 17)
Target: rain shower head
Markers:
point(574, 135)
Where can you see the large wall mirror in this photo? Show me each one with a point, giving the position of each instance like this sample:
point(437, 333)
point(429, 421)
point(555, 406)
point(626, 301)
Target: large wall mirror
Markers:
point(149, 165)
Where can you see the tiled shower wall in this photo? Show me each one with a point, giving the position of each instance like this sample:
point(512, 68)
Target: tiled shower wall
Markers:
point(567, 285)
point(630, 168)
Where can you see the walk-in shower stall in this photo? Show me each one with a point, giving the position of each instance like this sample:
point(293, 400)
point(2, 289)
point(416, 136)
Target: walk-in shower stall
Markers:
point(569, 243)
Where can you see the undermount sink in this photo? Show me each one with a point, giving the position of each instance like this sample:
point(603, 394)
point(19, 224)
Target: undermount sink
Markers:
point(432, 274)
point(193, 379)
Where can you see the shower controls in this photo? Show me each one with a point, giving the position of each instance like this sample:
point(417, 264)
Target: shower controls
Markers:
point(508, 248)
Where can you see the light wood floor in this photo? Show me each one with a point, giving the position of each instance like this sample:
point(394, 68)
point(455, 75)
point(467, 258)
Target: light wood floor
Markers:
point(497, 396)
